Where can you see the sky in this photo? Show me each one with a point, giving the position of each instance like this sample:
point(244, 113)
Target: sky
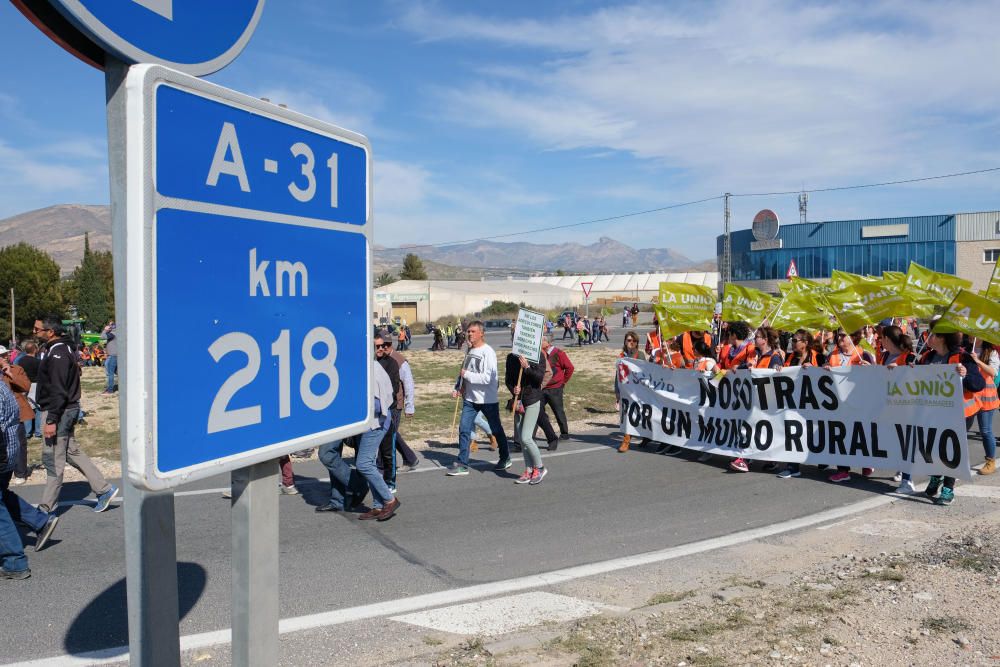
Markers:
point(493, 118)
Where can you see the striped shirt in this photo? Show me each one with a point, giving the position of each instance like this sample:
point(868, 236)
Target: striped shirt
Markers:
point(10, 416)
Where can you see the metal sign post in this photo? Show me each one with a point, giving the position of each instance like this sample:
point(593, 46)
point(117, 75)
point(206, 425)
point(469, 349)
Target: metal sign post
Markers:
point(150, 536)
point(255, 564)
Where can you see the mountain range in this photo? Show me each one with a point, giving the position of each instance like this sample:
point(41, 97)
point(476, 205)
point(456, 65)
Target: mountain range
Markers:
point(59, 230)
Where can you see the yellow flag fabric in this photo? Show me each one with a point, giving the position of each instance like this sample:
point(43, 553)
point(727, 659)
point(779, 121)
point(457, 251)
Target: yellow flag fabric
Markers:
point(801, 311)
point(683, 307)
point(842, 279)
point(894, 277)
point(975, 315)
point(746, 304)
point(993, 289)
point(868, 303)
point(931, 290)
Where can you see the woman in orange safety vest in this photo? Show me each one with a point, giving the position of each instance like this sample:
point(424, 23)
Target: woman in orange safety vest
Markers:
point(768, 356)
point(988, 362)
point(944, 348)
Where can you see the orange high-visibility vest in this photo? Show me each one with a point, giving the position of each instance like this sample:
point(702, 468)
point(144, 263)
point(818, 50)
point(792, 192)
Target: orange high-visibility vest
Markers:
point(764, 361)
point(970, 400)
point(687, 346)
point(834, 360)
point(745, 356)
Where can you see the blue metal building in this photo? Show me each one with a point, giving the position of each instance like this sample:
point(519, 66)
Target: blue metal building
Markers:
point(963, 244)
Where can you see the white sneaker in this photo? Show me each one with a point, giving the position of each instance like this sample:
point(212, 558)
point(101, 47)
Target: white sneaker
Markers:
point(906, 486)
point(898, 477)
point(18, 481)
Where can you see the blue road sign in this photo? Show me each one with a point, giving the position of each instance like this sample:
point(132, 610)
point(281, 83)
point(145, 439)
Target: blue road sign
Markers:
point(254, 274)
point(195, 36)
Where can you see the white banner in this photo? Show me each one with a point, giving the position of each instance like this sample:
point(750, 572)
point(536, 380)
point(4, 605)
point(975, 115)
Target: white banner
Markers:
point(528, 334)
point(906, 419)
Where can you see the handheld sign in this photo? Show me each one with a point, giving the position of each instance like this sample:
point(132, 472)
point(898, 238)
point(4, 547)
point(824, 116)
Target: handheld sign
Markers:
point(195, 36)
point(528, 334)
point(248, 251)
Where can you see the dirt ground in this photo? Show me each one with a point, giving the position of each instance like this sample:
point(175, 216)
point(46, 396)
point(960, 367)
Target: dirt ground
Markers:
point(907, 584)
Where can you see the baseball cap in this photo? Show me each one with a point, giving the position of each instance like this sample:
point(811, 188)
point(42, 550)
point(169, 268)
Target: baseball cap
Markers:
point(3, 350)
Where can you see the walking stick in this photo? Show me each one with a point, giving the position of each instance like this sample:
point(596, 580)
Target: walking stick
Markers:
point(517, 396)
point(458, 399)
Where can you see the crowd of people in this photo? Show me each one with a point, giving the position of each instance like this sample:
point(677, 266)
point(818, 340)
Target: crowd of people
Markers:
point(735, 345)
point(40, 391)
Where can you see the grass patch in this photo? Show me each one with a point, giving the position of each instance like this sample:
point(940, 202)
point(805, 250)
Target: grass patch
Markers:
point(885, 575)
point(973, 563)
point(945, 624)
point(661, 598)
point(432, 641)
point(843, 593)
point(591, 654)
point(705, 629)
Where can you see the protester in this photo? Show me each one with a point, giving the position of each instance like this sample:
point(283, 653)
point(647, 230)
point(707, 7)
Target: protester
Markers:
point(13, 562)
point(807, 353)
point(387, 448)
point(768, 356)
point(477, 386)
point(897, 350)
point(944, 348)
point(988, 362)
point(28, 360)
point(739, 351)
point(21, 385)
point(552, 393)
point(111, 360)
point(59, 397)
point(384, 505)
point(524, 380)
point(41, 522)
point(405, 404)
point(630, 350)
point(567, 323)
point(848, 353)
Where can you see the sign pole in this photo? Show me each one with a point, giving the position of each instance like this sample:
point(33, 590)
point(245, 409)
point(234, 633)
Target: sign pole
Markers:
point(150, 535)
point(255, 565)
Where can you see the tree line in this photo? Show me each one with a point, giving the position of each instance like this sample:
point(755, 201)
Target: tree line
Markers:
point(88, 293)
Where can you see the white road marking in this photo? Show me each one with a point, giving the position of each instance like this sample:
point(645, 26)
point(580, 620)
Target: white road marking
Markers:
point(482, 591)
point(502, 615)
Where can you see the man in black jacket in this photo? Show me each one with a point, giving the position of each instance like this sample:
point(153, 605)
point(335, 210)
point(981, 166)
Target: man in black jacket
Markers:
point(387, 450)
point(58, 394)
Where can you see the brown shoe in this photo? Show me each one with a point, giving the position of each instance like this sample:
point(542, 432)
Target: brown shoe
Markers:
point(493, 443)
point(388, 510)
point(989, 467)
point(474, 447)
point(370, 514)
point(625, 443)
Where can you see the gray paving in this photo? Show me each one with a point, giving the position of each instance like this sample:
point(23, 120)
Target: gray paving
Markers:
point(450, 532)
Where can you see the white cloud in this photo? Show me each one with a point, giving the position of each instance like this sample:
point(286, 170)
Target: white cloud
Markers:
point(742, 95)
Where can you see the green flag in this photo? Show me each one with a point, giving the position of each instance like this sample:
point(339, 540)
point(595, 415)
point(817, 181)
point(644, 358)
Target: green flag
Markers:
point(801, 311)
point(842, 279)
point(746, 304)
point(894, 277)
point(972, 314)
point(993, 289)
point(683, 307)
point(806, 286)
point(867, 303)
point(930, 290)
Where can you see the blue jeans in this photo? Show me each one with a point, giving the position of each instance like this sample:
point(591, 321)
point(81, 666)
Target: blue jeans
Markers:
point(986, 430)
point(492, 413)
point(11, 548)
point(483, 424)
point(364, 461)
point(110, 366)
point(20, 510)
point(331, 455)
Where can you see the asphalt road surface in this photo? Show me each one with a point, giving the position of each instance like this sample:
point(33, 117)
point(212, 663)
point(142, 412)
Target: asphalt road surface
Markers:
point(450, 533)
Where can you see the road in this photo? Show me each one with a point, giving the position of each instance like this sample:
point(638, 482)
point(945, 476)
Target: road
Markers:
point(450, 534)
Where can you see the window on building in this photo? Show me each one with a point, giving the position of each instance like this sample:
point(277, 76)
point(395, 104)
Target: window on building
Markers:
point(991, 255)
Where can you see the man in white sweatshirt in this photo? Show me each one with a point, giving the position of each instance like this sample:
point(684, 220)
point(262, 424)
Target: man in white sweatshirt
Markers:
point(477, 384)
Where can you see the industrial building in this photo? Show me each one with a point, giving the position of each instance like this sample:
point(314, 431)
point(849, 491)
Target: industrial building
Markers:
point(964, 244)
point(428, 300)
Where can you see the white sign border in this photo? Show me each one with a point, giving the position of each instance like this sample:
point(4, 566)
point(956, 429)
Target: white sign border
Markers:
point(139, 308)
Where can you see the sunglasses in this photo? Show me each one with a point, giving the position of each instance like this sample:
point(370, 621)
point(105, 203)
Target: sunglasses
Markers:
point(383, 346)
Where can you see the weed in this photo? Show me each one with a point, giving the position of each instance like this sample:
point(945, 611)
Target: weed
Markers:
point(885, 575)
point(974, 563)
point(432, 641)
point(661, 598)
point(945, 624)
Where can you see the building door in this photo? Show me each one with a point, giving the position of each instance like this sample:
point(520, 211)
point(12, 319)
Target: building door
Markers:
point(405, 310)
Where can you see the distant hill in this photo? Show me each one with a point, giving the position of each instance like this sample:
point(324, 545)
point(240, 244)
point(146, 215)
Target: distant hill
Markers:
point(59, 230)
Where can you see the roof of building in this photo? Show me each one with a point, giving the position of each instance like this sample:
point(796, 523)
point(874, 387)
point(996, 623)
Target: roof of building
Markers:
point(630, 282)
